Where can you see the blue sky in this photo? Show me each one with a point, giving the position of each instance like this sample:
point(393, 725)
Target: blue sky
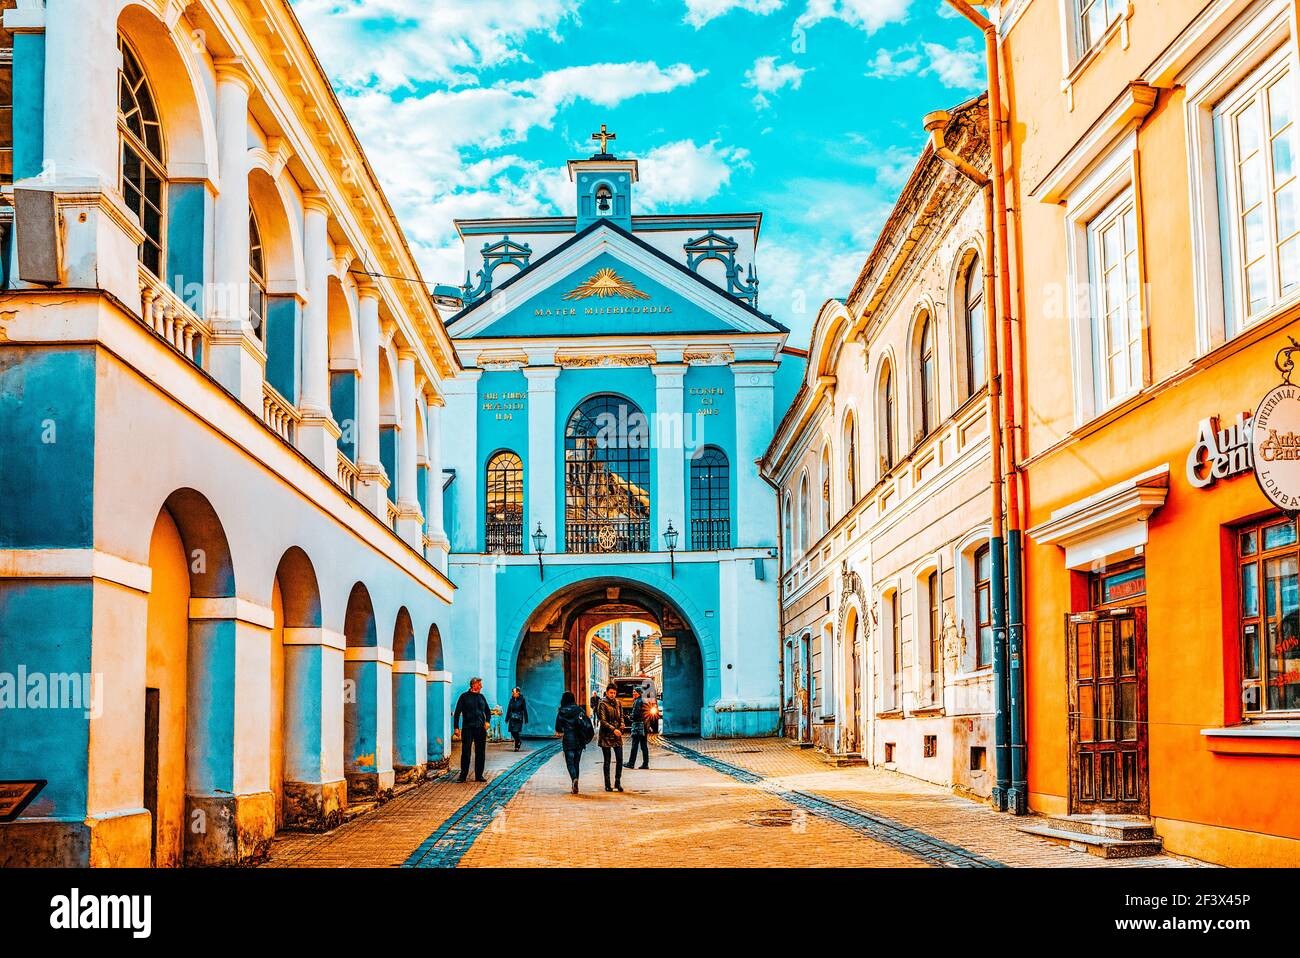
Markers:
point(808, 111)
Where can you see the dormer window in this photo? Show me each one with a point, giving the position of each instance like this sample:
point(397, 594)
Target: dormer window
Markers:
point(604, 197)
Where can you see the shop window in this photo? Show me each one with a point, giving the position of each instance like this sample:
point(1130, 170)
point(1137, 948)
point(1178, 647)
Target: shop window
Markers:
point(1268, 562)
point(1259, 196)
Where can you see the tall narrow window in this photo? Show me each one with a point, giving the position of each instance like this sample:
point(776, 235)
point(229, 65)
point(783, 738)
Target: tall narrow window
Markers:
point(928, 380)
point(142, 163)
point(710, 500)
point(787, 526)
point(504, 531)
point(256, 279)
point(850, 463)
point(887, 420)
point(6, 99)
point(1260, 198)
point(805, 513)
point(973, 310)
point(607, 477)
point(896, 651)
point(983, 607)
point(935, 600)
point(1269, 617)
point(1117, 313)
point(826, 489)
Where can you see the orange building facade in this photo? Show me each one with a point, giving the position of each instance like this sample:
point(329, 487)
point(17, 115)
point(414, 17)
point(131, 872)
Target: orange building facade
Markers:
point(1156, 234)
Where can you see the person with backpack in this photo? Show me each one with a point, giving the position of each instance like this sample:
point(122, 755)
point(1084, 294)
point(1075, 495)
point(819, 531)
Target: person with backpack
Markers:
point(575, 728)
point(639, 731)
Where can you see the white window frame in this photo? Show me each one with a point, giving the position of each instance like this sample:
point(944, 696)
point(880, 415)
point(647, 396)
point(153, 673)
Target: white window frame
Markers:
point(1109, 181)
point(1211, 75)
point(926, 691)
point(1112, 216)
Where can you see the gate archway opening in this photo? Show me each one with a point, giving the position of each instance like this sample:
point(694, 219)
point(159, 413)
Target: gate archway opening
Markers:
point(562, 638)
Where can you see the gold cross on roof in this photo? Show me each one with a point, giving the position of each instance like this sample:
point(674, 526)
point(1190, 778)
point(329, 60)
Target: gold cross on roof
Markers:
point(604, 138)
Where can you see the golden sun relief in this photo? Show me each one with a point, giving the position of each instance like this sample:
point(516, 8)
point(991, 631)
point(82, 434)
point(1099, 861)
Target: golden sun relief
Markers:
point(603, 284)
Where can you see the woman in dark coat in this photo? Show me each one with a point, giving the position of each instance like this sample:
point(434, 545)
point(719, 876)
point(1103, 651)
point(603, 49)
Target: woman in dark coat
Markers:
point(572, 724)
point(516, 715)
point(611, 736)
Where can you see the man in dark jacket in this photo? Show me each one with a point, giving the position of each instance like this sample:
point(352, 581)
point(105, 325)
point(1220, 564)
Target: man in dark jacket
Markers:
point(638, 731)
point(473, 708)
point(516, 716)
point(611, 736)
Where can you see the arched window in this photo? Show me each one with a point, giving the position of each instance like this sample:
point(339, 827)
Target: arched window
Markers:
point(504, 531)
point(256, 279)
point(973, 309)
point(604, 198)
point(710, 500)
point(143, 167)
point(888, 416)
point(826, 489)
point(927, 369)
point(788, 527)
point(607, 477)
point(983, 607)
point(850, 463)
point(805, 513)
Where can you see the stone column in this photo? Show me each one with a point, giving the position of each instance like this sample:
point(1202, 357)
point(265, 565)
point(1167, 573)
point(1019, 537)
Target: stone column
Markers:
point(315, 792)
point(410, 519)
point(669, 437)
point(372, 487)
point(229, 807)
point(438, 717)
point(460, 451)
point(410, 722)
point(236, 359)
point(439, 546)
point(318, 433)
point(539, 470)
point(755, 519)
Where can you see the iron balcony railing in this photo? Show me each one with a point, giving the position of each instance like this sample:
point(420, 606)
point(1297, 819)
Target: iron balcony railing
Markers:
point(710, 534)
point(607, 535)
point(506, 535)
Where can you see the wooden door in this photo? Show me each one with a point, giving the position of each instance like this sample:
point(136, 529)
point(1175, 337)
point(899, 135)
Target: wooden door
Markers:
point(1106, 655)
point(857, 692)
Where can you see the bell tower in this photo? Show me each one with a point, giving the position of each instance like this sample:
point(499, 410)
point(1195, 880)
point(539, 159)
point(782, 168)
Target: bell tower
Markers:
point(604, 185)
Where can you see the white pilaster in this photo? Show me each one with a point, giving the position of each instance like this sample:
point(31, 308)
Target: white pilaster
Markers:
point(373, 483)
point(81, 147)
point(460, 452)
point(318, 433)
point(755, 517)
point(436, 528)
point(237, 359)
point(410, 520)
point(540, 468)
point(670, 436)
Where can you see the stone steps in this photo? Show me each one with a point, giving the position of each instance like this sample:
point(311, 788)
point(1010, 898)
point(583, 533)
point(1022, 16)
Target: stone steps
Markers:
point(1104, 836)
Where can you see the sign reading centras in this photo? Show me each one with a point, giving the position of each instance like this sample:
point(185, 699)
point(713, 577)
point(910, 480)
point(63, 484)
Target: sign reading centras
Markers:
point(1220, 453)
point(1276, 446)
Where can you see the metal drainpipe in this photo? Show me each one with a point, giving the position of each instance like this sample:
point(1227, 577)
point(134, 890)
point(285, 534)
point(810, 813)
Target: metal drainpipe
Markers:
point(937, 125)
point(1018, 795)
point(780, 601)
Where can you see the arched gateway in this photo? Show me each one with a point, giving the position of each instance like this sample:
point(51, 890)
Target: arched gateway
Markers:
point(553, 650)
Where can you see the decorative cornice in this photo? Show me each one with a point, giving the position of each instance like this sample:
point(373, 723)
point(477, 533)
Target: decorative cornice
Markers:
point(613, 359)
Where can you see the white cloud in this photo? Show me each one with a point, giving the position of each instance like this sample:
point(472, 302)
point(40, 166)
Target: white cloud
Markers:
point(682, 172)
point(959, 68)
point(395, 44)
point(605, 84)
point(767, 76)
point(700, 12)
point(867, 15)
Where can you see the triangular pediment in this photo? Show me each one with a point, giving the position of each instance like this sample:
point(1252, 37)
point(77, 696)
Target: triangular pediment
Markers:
point(606, 282)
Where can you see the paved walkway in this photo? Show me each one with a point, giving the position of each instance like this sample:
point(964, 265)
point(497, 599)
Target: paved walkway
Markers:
point(708, 803)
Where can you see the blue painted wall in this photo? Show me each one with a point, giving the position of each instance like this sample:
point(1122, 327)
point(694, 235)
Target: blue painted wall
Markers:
point(283, 333)
point(502, 424)
point(620, 185)
point(29, 104)
point(343, 404)
point(186, 209)
point(712, 418)
point(682, 695)
point(53, 619)
point(388, 458)
point(47, 446)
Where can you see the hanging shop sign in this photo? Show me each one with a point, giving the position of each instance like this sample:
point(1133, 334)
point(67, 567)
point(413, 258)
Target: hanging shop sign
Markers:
point(1220, 453)
point(1275, 437)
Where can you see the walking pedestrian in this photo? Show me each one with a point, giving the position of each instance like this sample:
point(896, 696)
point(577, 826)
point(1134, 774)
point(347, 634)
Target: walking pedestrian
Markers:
point(471, 719)
point(611, 736)
point(574, 727)
point(516, 716)
point(638, 731)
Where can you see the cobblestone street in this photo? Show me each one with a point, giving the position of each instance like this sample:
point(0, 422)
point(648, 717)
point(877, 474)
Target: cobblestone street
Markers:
point(702, 803)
